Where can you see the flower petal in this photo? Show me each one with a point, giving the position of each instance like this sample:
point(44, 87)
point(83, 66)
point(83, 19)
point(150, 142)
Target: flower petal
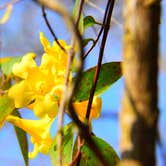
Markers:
point(45, 106)
point(44, 41)
point(81, 108)
point(39, 131)
point(21, 69)
point(21, 93)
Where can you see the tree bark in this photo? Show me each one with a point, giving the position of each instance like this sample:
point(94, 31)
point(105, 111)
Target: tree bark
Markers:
point(139, 113)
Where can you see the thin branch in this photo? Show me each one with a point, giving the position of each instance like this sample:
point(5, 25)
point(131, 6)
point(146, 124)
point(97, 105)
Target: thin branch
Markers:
point(50, 28)
point(106, 22)
point(101, 29)
point(98, 36)
point(90, 3)
point(78, 153)
point(65, 99)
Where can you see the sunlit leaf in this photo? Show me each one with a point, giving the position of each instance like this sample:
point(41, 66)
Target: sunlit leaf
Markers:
point(4, 59)
point(22, 139)
point(109, 74)
point(6, 67)
point(89, 21)
point(88, 157)
point(6, 107)
point(67, 146)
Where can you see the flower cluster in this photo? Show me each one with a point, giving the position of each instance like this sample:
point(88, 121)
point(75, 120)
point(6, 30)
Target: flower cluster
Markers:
point(40, 89)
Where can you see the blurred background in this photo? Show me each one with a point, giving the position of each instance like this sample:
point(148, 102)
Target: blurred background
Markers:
point(20, 34)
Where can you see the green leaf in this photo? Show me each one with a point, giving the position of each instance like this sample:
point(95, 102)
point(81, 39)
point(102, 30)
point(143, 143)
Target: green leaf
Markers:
point(75, 13)
point(109, 74)
point(86, 41)
point(6, 107)
point(22, 139)
point(7, 66)
point(67, 146)
point(88, 157)
point(4, 59)
point(89, 21)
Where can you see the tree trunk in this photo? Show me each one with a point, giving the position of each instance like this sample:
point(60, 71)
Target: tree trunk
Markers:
point(139, 114)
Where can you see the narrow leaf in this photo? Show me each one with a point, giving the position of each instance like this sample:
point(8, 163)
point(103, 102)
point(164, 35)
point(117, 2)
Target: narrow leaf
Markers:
point(109, 74)
point(4, 59)
point(22, 139)
point(6, 107)
point(6, 67)
point(67, 146)
point(88, 157)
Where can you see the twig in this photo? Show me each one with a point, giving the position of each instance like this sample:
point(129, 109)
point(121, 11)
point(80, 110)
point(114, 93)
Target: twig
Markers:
point(90, 3)
point(78, 153)
point(50, 28)
point(106, 22)
point(101, 29)
point(98, 36)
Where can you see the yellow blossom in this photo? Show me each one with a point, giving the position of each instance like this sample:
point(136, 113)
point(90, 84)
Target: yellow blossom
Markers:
point(39, 131)
point(81, 108)
point(41, 86)
point(21, 69)
point(40, 89)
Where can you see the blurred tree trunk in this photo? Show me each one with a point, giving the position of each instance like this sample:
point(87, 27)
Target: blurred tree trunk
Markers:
point(139, 114)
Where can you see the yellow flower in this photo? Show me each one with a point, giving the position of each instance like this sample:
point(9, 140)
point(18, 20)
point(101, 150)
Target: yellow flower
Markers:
point(40, 90)
point(81, 108)
point(39, 131)
point(41, 86)
point(21, 69)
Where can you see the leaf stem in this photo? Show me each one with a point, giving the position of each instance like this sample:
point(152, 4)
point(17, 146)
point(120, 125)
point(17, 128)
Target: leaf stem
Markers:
point(106, 23)
point(65, 97)
point(50, 28)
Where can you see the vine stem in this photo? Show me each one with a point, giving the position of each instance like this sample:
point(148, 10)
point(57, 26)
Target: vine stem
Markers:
point(65, 97)
point(106, 23)
point(50, 28)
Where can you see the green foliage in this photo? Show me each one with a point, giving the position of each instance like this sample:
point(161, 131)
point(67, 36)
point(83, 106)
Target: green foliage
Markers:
point(89, 21)
point(67, 146)
point(86, 41)
point(6, 107)
point(109, 74)
point(88, 157)
point(6, 67)
point(22, 139)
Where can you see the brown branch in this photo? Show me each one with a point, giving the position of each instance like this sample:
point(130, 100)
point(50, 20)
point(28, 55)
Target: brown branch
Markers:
point(50, 28)
point(65, 98)
point(139, 113)
point(106, 23)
